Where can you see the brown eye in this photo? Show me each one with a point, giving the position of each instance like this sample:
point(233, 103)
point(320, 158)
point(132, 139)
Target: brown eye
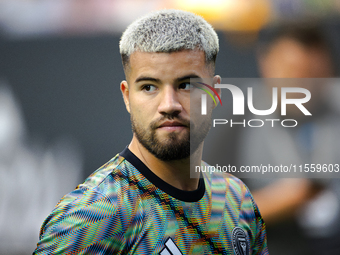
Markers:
point(185, 86)
point(149, 88)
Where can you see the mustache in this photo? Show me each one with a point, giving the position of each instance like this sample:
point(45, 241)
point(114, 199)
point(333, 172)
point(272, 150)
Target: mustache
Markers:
point(156, 123)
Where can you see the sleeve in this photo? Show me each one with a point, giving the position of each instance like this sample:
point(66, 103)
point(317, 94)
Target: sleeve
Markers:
point(260, 241)
point(249, 218)
point(83, 222)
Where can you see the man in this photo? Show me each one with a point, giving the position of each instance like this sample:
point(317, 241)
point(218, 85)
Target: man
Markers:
point(296, 51)
point(143, 201)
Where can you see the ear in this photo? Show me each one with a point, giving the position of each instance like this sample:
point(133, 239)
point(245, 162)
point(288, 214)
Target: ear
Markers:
point(124, 88)
point(217, 80)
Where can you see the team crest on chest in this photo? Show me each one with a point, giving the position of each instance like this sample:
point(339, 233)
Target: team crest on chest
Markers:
point(240, 241)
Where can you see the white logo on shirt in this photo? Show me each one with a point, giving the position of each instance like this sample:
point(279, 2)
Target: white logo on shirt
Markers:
point(170, 248)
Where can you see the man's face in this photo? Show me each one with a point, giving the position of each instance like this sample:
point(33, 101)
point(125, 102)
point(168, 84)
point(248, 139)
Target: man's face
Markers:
point(157, 95)
point(290, 59)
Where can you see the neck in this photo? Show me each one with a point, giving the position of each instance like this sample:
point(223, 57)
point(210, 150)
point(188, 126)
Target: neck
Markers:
point(174, 172)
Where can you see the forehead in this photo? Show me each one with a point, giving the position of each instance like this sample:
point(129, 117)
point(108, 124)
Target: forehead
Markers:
point(166, 65)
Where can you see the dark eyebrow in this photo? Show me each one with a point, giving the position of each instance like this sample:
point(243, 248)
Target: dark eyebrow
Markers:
point(146, 78)
point(187, 77)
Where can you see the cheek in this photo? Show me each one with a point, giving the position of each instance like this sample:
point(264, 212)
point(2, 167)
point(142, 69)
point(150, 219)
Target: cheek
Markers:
point(187, 104)
point(195, 106)
point(143, 112)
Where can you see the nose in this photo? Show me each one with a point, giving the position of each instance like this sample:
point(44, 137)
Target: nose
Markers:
point(169, 102)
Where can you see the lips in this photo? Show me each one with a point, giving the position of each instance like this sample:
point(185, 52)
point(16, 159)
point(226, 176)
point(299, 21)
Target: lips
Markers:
point(171, 124)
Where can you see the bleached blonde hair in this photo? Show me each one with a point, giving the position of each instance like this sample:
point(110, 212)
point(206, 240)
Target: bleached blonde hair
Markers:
point(169, 31)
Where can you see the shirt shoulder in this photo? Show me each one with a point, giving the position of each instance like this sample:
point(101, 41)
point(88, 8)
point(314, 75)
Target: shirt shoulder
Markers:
point(103, 202)
point(240, 207)
point(220, 180)
point(238, 196)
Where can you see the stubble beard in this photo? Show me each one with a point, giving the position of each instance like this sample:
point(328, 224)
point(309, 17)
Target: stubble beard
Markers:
point(174, 146)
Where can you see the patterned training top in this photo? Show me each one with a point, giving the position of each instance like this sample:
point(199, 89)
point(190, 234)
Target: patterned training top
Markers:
point(124, 208)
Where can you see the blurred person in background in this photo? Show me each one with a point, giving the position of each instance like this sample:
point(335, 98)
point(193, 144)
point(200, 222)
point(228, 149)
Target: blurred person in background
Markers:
point(297, 51)
point(32, 177)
